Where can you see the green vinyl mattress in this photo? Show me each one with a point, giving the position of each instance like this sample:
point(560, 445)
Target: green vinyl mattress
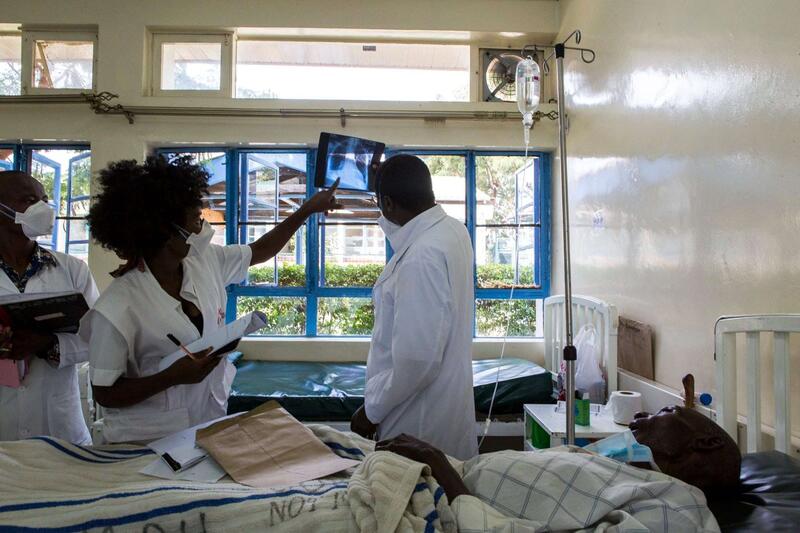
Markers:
point(315, 392)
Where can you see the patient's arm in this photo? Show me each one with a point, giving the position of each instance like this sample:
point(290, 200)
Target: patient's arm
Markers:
point(422, 452)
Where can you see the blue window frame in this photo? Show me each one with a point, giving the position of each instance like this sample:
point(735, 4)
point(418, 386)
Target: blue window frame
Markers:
point(252, 190)
point(65, 170)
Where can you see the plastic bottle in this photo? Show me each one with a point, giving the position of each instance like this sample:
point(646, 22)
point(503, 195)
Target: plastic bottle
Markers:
point(528, 91)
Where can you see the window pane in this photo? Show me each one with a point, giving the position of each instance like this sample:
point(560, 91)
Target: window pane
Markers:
point(273, 189)
point(505, 257)
point(288, 265)
point(60, 172)
point(505, 190)
point(353, 255)
point(10, 67)
point(270, 174)
point(6, 158)
point(345, 316)
point(350, 71)
point(285, 316)
point(191, 66)
point(215, 202)
point(63, 64)
point(76, 243)
point(448, 173)
point(357, 207)
point(500, 318)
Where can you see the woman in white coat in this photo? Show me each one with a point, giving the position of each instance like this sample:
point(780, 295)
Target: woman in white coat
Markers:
point(150, 215)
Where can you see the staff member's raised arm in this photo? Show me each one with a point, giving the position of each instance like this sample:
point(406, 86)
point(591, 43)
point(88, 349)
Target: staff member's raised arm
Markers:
point(268, 246)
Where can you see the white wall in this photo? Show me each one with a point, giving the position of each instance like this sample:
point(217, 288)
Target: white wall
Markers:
point(683, 162)
point(123, 28)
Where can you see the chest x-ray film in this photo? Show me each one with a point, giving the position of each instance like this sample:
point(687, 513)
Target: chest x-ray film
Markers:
point(351, 160)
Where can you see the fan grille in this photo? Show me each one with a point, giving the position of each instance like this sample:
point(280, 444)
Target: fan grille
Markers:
point(499, 74)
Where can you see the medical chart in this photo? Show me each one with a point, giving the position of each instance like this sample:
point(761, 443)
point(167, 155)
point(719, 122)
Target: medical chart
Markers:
point(249, 323)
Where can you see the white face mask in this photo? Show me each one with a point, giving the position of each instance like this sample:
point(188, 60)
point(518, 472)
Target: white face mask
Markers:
point(36, 221)
point(389, 228)
point(198, 242)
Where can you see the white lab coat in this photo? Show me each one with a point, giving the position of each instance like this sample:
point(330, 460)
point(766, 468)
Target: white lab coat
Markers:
point(49, 402)
point(127, 332)
point(419, 370)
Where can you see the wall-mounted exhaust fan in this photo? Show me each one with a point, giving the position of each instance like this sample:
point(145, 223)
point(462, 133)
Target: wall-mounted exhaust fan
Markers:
point(499, 69)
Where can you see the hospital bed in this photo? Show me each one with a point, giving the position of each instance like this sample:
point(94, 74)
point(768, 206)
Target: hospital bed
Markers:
point(329, 393)
point(768, 498)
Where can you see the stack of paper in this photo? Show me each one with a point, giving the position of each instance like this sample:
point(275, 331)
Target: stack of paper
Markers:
point(182, 446)
point(249, 323)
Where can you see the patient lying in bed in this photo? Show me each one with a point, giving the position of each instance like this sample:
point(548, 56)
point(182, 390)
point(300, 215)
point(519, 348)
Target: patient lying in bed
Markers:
point(48, 483)
point(567, 488)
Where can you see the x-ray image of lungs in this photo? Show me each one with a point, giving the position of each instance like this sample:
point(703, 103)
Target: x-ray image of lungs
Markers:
point(345, 164)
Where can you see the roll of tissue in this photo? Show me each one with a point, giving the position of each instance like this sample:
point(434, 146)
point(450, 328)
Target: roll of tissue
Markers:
point(623, 404)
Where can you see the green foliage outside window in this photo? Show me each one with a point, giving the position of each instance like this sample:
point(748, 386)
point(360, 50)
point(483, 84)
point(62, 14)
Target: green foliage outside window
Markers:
point(354, 316)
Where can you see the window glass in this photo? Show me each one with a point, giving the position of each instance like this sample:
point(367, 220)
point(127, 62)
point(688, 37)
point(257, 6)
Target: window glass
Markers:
point(63, 64)
point(345, 316)
point(351, 71)
point(10, 67)
point(352, 255)
point(507, 221)
point(348, 250)
point(498, 318)
point(65, 175)
point(448, 174)
point(6, 158)
point(274, 187)
point(285, 316)
point(505, 189)
point(505, 257)
point(191, 66)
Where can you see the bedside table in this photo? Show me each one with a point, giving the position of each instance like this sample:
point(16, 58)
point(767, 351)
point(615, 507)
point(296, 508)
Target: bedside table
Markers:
point(555, 424)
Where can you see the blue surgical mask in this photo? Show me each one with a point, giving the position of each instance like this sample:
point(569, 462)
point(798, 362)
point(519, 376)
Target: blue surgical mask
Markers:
point(623, 447)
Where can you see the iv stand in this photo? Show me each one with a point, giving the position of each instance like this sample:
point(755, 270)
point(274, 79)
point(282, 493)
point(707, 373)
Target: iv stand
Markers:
point(570, 353)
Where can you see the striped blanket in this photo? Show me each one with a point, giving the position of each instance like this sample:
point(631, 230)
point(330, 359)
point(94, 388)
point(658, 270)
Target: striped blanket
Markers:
point(49, 485)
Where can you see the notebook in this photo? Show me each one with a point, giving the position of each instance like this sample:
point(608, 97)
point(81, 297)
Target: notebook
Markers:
point(54, 312)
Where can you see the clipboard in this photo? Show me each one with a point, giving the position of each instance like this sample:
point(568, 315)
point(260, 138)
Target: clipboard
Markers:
point(249, 323)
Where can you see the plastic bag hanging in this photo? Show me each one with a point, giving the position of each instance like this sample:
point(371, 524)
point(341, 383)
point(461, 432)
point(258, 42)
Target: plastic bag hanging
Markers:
point(528, 91)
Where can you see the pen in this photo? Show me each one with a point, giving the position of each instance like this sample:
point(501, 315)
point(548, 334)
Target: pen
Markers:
point(177, 343)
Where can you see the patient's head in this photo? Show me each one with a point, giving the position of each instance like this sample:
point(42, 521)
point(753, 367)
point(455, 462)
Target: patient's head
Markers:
point(690, 447)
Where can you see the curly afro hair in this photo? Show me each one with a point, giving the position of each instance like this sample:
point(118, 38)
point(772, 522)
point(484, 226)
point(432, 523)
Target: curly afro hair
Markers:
point(139, 203)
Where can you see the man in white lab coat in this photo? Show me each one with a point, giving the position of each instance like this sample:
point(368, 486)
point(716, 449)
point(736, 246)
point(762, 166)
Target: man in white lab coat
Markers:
point(419, 370)
point(48, 399)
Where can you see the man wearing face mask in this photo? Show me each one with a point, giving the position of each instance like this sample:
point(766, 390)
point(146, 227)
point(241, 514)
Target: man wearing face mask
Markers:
point(419, 370)
point(150, 215)
point(48, 400)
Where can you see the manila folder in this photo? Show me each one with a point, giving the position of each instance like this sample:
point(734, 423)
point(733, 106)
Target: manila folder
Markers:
point(268, 447)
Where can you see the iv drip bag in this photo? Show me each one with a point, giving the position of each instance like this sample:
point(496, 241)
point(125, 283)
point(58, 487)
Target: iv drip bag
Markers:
point(528, 90)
